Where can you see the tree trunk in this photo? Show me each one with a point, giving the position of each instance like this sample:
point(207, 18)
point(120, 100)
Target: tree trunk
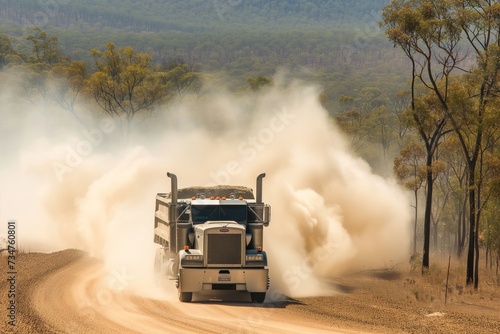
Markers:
point(478, 216)
point(427, 216)
point(476, 265)
point(498, 260)
point(460, 246)
point(472, 225)
point(435, 236)
point(487, 253)
point(415, 225)
point(463, 227)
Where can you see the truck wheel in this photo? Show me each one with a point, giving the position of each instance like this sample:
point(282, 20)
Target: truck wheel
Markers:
point(258, 297)
point(185, 297)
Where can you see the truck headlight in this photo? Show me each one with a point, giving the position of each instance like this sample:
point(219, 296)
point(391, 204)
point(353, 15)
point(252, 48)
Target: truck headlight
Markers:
point(255, 258)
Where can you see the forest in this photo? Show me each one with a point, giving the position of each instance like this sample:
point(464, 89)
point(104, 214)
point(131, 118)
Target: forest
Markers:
point(414, 85)
point(339, 43)
point(194, 15)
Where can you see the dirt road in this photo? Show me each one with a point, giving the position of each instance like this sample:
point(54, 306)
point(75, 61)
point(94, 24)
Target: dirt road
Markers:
point(63, 292)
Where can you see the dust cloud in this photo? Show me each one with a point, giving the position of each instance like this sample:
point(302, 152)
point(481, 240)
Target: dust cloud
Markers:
point(73, 187)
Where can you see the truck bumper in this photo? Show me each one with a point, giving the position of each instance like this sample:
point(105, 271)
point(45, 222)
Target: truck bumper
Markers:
point(244, 279)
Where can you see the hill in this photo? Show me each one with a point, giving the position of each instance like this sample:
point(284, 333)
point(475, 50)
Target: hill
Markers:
point(336, 43)
point(193, 15)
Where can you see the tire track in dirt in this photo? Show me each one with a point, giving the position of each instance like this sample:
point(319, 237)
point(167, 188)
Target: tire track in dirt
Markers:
point(68, 298)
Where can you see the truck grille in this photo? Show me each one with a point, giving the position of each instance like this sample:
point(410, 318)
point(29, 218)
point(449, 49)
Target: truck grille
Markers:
point(224, 249)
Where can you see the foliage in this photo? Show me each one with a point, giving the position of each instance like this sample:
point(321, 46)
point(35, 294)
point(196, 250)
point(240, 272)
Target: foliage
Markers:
point(125, 84)
point(181, 77)
point(7, 52)
point(68, 82)
point(431, 34)
point(410, 170)
point(45, 55)
point(258, 82)
point(338, 42)
point(409, 167)
point(45, 48)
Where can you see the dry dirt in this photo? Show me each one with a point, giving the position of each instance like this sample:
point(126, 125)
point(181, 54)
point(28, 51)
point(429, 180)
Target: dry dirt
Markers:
point(60, 293)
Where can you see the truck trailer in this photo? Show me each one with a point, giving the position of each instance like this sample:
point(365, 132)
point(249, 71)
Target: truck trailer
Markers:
point(211, 238)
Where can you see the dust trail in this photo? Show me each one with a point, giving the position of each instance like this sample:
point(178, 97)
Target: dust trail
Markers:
point(331, 214)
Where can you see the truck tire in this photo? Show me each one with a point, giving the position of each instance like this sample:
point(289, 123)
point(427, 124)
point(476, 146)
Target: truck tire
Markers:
point(258, 297)
point(185, 297)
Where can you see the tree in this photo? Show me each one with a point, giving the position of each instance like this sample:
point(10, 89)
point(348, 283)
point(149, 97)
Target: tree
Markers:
point(182, 77)
point(491, 222)
point(7, 52)
point(413, 26)
point(68, 82)
point(443, 193)
point(258, 82)
point(345, 102)
point(45, 55)
point(479, 22)
point(45, 48)
point(400, 105)
point(455, 178)
point(410, 170)
point(429, 121)
point(365, 118)
point(125, 84)
point(432, 31)
point(383, 122)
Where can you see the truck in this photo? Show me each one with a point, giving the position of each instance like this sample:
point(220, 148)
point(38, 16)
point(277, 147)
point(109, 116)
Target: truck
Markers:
point(211, 238)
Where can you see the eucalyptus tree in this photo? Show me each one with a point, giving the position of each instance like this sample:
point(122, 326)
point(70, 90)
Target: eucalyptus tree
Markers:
point(410, 170)
point(412, 26)
point(44, 54)
point(126, 84)
point(445, 37)
point(68, 82)
point(7, 52)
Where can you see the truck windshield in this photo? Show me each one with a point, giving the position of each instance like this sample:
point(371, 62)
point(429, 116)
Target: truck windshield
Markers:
point(202, 213)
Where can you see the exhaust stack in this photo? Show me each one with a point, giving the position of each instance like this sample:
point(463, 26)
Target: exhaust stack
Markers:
point(258, 198)
point(173, 187)
point(173, 196)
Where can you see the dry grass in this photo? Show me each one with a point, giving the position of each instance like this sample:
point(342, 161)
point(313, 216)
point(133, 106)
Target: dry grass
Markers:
point(402, 300)
point(431, 287)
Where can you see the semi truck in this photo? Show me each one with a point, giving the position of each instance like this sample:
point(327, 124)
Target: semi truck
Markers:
point(211, 238)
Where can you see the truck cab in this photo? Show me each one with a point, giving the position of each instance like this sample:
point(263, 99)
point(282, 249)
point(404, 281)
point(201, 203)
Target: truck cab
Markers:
point(212, 240)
